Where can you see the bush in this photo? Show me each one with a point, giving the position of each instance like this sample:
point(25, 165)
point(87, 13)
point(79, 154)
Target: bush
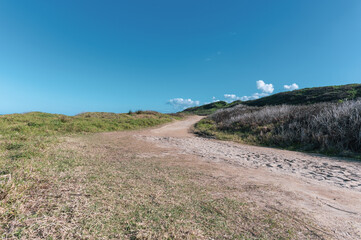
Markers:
point(329, 127)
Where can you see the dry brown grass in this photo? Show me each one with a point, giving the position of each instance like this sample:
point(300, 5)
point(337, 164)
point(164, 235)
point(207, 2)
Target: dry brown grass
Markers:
point(330, 128)
point(31, 164)
point(112, 186)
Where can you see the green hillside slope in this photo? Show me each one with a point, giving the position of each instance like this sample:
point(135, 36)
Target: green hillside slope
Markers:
point(310, 95)
point(296, 97)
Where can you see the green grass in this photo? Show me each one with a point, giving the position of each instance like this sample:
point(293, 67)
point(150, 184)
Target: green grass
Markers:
point(45, 124)
point(23, 136)
point(296, 97)
point(208, 128)
point(25, 140)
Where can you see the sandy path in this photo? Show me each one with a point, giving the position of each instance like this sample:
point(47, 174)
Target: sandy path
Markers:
point(344, 173)
point(328, 189)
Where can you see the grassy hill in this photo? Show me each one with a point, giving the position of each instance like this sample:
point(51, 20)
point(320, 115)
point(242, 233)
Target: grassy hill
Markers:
point(24, 135)
point(296, 97)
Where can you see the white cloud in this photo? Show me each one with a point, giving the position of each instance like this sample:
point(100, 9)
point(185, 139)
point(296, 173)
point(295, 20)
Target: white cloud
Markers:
point(214, 99)
point(183, 103)
point(254, 96)
point(291, 87)
point(231, 97)
point(246, 98)
point(266, 88)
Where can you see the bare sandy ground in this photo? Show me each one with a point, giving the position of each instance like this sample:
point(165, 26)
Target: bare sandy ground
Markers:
point(326, 189)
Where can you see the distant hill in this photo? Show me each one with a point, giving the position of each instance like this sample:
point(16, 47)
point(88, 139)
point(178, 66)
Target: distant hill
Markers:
point(296, 97)
point(207, 108)
point(310, 95)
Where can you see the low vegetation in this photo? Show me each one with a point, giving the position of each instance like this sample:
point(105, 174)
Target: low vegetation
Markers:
point(296, 97)
point(59, 184)
point(102, 186)
point(26, 141)
point(332, 128)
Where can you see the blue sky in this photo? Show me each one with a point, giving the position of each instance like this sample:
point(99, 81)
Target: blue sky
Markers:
point(75, 56)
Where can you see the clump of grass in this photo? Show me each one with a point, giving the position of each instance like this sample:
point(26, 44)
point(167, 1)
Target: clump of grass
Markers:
point(332, 128)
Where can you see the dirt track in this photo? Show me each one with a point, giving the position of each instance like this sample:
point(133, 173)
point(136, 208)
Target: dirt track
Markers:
point(326, 189)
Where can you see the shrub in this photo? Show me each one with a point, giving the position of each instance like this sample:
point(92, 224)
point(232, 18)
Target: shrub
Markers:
point(329, 127)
